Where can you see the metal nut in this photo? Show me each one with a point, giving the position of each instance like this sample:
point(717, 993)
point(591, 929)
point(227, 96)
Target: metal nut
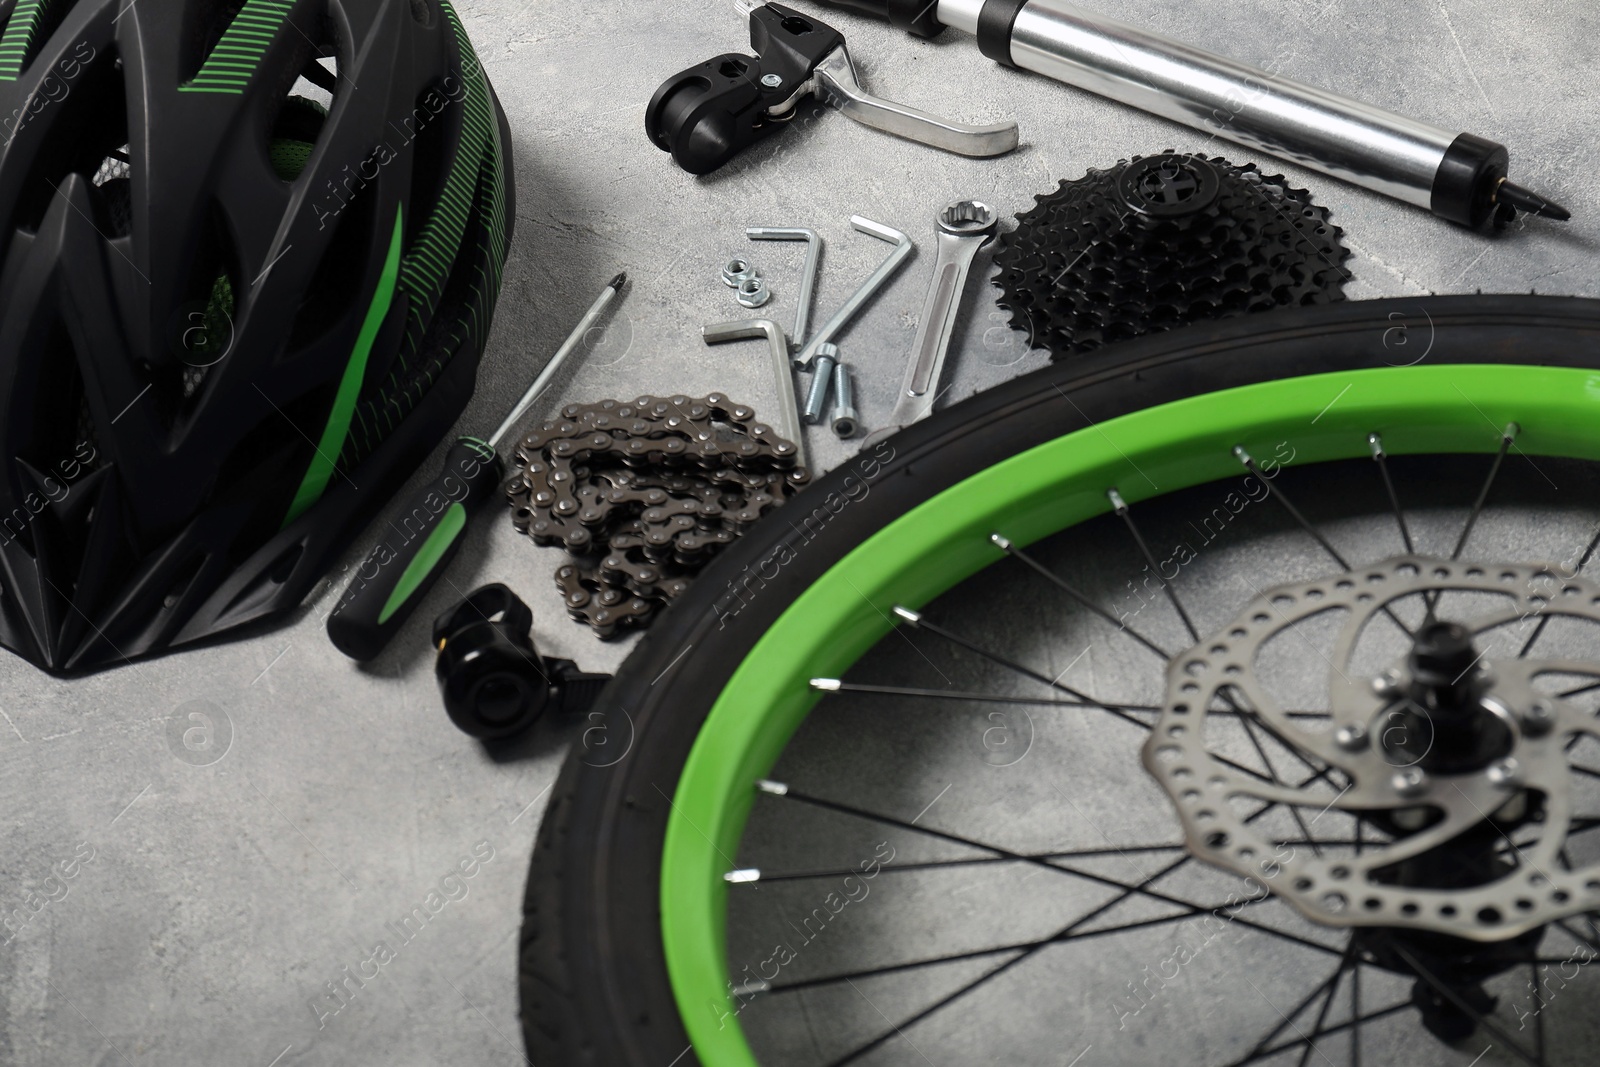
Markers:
point(738, 271)
point(753, 292)
point(1410, 783)
point(1351, 738)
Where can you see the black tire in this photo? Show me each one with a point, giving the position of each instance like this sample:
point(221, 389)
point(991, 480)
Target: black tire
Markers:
point(594, 982)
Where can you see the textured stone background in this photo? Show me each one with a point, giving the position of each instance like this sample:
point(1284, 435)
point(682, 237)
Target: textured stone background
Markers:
point(220, 899)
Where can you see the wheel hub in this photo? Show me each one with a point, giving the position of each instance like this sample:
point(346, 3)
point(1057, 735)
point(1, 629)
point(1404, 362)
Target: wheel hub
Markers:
point(1435, 797)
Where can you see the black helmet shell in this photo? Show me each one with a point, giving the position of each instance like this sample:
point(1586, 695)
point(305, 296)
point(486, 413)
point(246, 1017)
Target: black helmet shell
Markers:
point(249, 256)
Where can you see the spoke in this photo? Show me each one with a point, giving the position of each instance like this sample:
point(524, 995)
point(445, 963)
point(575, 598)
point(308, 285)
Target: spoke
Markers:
point(976, 861)
point(1382, 458)
point(1580, 690)
point(1121, 508)
point(1353, 1026)
point(1544, 620)
point(1322, 1016)
point(1507, 438)
point(938, 631)
point(1294, 811)
point(1141, 888)
point(1328, 983)
point(834, 685)
point(956, 957)
point(1305, 524)
point(1055, 579)
point(1450, 994)
point(1028, 953)
point(1538, 1010)
point(1247, 714)
point(1579, 935)
point(995, 972)
point(1581, 769)
point(906, 1024)
point(1355, 1015)
point(1119, 710)
point(1294, 512)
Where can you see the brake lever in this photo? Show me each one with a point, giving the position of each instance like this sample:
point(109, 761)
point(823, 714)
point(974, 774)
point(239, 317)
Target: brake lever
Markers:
point(707, 114)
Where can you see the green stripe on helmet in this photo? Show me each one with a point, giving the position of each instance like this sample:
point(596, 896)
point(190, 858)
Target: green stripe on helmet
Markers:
point(334, 433)
point(17, 40)
point(232, 63)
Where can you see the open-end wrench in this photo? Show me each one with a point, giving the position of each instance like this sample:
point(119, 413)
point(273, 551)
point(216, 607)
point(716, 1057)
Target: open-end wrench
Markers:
point(964, 227)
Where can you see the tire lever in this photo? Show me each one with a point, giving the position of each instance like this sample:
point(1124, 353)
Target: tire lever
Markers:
point(707, 114)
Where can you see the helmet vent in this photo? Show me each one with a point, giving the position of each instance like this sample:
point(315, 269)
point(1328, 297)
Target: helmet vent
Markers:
point(116, 166)
point(114, 179)
point(88, 130)
point(297, 125)
point(203, 326)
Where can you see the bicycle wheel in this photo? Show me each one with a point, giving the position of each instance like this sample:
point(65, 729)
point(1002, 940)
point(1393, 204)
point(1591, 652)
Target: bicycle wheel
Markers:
point(1136, 711)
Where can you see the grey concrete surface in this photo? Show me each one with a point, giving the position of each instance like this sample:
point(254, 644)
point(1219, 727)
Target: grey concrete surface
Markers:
point(244, 823)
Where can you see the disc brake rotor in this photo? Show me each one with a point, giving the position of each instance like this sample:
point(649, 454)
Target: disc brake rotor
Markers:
point(1459, 819)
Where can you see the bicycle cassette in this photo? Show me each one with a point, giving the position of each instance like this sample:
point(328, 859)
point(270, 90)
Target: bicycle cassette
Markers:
point(1159, 242)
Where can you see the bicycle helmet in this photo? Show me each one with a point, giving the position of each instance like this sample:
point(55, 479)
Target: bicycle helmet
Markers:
point(249, 256)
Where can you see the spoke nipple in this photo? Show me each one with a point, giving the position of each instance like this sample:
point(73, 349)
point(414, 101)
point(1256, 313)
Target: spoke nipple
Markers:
point(1505, 774)
point(1513, 430)
point(744, 874)
point(907, 614)
point(1411, 782)
point(745, 990)
point(1117, 503)
point(1241, 455)
point(1539, 719)
point(1375, 442)
point(777, 789)
point(1352, 738)
point(827, 685)
point(1002, 543)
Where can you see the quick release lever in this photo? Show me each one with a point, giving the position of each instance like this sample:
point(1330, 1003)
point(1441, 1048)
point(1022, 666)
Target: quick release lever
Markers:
point(1457, 176)
point(709, 113)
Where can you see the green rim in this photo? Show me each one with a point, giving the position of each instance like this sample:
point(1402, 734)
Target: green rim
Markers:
point(1459, 409)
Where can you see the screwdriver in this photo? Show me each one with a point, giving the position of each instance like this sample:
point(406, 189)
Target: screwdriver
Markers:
point(424, 538)
point(1460, 177)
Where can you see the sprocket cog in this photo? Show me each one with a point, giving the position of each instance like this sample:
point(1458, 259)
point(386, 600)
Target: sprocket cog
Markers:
point(1162, 241)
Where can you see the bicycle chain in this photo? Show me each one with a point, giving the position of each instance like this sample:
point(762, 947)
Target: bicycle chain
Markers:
point(643, 495)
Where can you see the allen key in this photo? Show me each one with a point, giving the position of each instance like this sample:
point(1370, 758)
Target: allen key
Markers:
point(788, 421)
point(903, 247)
point(808, 278)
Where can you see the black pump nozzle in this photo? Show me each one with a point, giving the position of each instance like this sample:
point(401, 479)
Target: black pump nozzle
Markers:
point(1531, 202)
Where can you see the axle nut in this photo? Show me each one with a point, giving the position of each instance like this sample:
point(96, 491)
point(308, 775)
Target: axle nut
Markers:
point(753, 292)
point(738, 271)
point(1411, 782)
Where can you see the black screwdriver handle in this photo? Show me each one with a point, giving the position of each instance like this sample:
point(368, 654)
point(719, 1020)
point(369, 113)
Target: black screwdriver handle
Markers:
point(420, 544)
